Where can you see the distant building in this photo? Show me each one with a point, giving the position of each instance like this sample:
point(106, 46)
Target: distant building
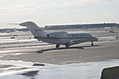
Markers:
point(82, 26)
point(12, 30)
point(60, 27)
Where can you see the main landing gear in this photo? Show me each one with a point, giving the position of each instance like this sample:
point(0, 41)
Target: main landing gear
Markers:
point(92, 43)
point(57, 45)
point(67, 45)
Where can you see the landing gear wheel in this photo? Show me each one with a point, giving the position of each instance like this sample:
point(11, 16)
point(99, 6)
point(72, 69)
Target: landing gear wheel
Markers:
point(92, 43)
point(67, 45)
point(57, 45)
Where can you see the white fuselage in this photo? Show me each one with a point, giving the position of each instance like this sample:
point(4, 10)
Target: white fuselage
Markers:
point(76, 38)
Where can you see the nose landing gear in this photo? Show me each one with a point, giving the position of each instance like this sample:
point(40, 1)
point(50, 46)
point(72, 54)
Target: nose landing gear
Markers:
point(92, 43)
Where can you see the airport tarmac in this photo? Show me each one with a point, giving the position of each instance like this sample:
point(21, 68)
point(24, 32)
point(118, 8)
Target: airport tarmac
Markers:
point(107, 47)
point(75, 54)
point(15, 53)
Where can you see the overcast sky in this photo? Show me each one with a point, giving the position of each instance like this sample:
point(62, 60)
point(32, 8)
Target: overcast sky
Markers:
point(47, 12)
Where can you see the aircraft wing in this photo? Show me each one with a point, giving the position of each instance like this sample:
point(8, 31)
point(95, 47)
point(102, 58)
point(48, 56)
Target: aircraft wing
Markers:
point(76, 41)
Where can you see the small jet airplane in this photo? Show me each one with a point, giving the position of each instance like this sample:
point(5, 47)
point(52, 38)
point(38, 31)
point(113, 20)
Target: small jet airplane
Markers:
point(58, 38)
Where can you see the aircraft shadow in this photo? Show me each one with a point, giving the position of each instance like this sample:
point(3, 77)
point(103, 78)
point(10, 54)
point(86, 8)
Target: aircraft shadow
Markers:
point(44, 50)
point(30, 74)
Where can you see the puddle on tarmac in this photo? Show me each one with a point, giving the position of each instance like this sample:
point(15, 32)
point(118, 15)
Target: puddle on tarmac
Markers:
point(25, 70)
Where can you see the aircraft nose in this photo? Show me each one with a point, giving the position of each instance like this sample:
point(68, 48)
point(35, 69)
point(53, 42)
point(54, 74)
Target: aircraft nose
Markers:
point(96, 39)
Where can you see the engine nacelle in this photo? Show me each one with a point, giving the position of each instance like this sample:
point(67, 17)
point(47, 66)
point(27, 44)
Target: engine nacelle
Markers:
point(57, 34)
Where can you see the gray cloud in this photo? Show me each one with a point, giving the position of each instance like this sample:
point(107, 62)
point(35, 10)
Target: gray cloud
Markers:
point(9, 7)
point(82, 2)
point(19, 7)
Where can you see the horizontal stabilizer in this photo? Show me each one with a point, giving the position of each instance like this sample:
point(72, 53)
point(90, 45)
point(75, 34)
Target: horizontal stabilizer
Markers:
point(35, 30)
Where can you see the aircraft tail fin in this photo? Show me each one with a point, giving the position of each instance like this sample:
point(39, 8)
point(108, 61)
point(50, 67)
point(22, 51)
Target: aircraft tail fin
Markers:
point(35, 30)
